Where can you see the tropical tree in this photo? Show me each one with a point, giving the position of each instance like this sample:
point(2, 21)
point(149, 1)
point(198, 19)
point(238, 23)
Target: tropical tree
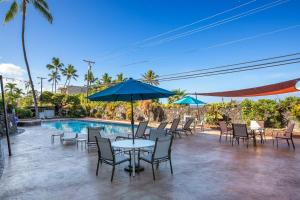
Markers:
point(120, 78)
point(178, 95)
point(13, 93)
point(90, 77)
point(54, 77)
point(55, 67)
point(151, 78)
point(70, 73)
point(106, 79)
point(43, 8)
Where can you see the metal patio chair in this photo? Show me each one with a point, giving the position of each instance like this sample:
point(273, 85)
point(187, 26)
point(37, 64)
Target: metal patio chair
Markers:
point(174, 126)
point(224, 131)
point(107, 155)
point(285, 135)
point(161, 153)
point(140, 132)
point(240, 132)
point(93, 132)
point(187, 126)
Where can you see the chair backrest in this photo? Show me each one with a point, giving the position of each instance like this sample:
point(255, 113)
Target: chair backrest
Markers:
point(188, 123)
point(223, 126)
point(162, 148)
point(162, 125)
point(290, 129)
point(104, 148)
point(175, 124)
point(240, 130)
point(157, 133)
point(261, 124)
point(254, 125)
point(92, 133)
point(140, 132)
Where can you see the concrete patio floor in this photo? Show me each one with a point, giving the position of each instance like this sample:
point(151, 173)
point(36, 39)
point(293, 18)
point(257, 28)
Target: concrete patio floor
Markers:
point(203, 169)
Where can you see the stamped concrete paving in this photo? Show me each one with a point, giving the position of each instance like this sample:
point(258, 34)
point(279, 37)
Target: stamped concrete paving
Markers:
point(203, 169)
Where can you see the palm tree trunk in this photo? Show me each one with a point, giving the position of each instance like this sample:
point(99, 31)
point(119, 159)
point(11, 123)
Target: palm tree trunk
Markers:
point(65, 83)
point(26, 61)
point(55, 80)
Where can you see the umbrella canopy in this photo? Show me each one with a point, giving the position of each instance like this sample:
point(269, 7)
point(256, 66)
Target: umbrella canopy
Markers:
point(130, 90)
point(189, 100)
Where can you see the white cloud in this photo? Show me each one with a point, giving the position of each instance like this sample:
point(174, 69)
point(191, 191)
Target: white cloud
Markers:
point(11, 70)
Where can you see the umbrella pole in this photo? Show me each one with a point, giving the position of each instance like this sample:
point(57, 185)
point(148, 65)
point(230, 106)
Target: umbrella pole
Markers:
point(198, 111)
point(132, 120)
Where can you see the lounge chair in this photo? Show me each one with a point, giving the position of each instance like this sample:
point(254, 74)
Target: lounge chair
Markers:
point(224, 131)
point(69, 137)
point(140, 132)
point(162, 125)
point(187, 126)
point(240, 132)
point(173, 129)
point(161, 153)
point(93, 132)
point(259, 128)
point(285, 135)
point(107, 155)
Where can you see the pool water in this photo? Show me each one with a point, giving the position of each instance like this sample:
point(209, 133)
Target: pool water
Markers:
point(80, 127)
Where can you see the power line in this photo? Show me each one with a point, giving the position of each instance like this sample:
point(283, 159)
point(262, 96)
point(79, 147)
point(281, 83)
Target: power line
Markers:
point(231, 65)
point(220, 22)
point(234, 70)
point(195, 22)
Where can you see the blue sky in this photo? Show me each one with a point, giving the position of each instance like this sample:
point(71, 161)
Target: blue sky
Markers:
point(110, 31)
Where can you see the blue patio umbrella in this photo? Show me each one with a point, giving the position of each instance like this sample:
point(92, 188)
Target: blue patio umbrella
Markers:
point(188, 100)
point(130, 90)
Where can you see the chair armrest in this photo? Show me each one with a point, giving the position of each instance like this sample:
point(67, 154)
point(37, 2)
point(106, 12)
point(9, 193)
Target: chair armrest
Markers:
point(121, 137)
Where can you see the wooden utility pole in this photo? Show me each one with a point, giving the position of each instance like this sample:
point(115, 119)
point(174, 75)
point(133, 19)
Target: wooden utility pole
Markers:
point(5, 116)
point(90, 63)
point(42, 78)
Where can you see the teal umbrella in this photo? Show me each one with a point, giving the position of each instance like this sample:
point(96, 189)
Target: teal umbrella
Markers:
point(188, 100)
point(130, 90)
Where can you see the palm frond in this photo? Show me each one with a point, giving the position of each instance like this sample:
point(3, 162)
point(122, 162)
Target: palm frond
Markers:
point(44, 3)
point(43, 10)
point(11, 12)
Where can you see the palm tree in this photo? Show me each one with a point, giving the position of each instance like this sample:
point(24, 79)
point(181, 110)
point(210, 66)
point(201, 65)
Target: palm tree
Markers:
point(42, 7)
point(54, 77)
point(13, 93)
point(70, 73)
point(178, 95)
point(90, 77)
point(120, 78)
point(151, 78)
point(106, 79)
point(56, 66)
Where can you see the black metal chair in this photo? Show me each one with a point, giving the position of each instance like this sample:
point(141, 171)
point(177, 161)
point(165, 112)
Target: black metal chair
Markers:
point(107, 155)
point(162, 125)
point(93, 132)
point(286, 135)
point(187, 126)
point(140, 131)
point(173, 130)
point(240, 132)
point(224, 131)
point(161, 153)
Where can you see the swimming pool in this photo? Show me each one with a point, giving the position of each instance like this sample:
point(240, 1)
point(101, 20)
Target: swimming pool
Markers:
point(80, 127)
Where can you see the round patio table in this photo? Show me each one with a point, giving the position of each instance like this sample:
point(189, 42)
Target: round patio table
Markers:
point(129, 145)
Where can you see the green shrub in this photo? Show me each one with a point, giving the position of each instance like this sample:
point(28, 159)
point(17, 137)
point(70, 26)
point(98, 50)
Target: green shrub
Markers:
point(24, 113)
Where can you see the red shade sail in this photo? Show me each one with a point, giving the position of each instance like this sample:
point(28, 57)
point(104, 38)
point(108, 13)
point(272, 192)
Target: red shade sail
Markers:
point(278, 88)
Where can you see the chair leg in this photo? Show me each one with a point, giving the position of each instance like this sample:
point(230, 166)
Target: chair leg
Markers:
point(277, 142)
point(153, 171)
point(232, 141)
point(287, 141)
point(293, 143)
point(98, 167)
point(220, 137)
point(112, 174)
point(157, 165)
point(171, 166)
point(226, 137)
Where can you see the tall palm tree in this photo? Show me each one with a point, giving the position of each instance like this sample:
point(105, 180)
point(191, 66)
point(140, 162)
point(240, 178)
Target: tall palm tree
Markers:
point(151, 78)
point(10, 87)
point(13, 93)
point(70, 73)
point(43, 8)
point(54, 77)
point(90, 77)
point(56, 66)
point(106, 79)
point(120, 78)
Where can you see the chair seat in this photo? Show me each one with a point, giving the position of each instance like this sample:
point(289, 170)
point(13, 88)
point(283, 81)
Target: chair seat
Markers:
point(147, 158)
point(121, 158)
point(283, 137)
